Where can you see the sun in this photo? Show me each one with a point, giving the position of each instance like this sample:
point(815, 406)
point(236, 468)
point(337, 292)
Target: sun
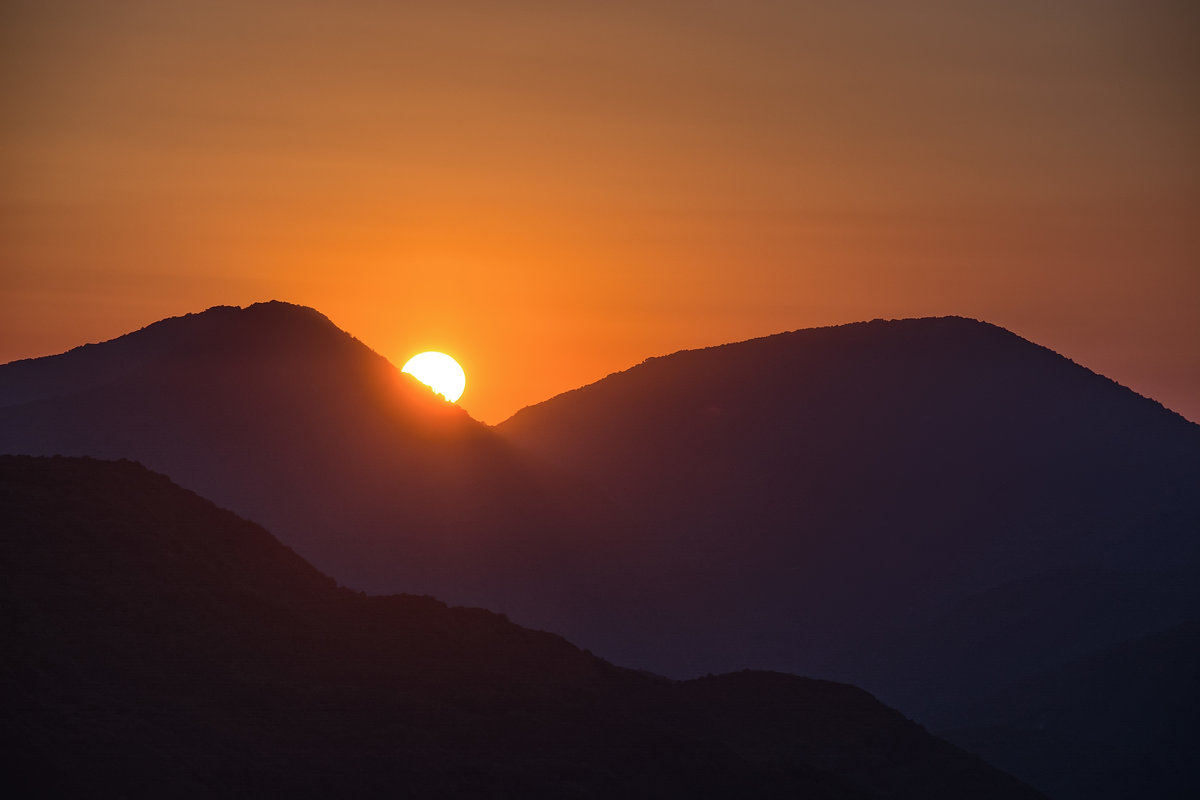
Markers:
point(439, 372)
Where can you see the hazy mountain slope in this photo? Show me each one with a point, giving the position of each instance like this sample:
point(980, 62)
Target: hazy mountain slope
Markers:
point(814, 497)
point(1118, 723)
point(160, 646)
point(274, 412)
point(987, 639)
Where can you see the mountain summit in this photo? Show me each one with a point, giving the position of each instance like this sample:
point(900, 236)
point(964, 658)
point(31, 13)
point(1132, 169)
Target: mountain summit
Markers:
point(273, 336)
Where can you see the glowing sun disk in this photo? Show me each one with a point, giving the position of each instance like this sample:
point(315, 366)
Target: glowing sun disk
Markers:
point(439, 372)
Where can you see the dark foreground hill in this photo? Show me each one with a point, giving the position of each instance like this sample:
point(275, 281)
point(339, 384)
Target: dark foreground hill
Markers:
point(274, 412)
point(159, 646)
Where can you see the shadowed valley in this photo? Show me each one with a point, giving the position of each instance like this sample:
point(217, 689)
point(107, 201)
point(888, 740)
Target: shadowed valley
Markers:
point(161, 646)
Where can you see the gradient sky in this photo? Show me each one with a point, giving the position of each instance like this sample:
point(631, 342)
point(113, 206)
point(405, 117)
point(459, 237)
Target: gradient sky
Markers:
point(552, 191)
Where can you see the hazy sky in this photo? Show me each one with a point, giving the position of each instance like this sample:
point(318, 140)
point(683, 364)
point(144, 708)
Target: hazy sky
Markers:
point(552, 191)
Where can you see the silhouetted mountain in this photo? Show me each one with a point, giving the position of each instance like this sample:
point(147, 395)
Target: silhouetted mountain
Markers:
point(157, 645)
point(815, 491)
point(933, 509)
point(274, 412)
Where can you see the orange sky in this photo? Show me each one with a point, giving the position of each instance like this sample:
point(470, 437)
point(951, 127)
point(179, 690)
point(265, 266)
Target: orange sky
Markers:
point(552, 191)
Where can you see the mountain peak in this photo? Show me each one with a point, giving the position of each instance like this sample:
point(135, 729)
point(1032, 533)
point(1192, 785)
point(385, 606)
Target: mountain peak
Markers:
point(273, 321)
point(856, 360)
point(268, 311)
point(276, 333)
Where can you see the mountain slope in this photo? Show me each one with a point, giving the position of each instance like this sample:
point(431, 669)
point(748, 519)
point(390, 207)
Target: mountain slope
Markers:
point(160, 646)
point(274, 412)
point(1120, 722)
point(817, 499)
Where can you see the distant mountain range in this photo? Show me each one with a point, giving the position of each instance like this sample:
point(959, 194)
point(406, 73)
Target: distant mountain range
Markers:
point(157, 645)
point(934, 509)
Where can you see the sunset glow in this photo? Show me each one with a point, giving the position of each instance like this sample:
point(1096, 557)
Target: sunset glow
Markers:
point(834, 388)
point(565, 190)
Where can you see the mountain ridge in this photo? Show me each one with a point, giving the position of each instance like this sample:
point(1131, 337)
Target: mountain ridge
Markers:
point(834, 327)
point(913, 506)
point(154, 340)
